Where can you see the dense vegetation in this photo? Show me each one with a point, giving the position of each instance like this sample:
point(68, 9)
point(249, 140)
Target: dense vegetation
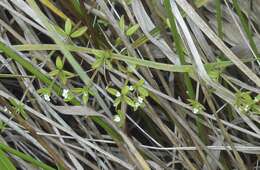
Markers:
point(129, 84)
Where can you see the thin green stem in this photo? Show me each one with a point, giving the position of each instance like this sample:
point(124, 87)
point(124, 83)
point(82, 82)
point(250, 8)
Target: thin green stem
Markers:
point(219, 18)
point(179, 47)
point(132, 60)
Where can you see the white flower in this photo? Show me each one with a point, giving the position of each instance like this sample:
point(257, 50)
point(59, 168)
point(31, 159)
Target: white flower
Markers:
point(195, 110)
point(85, 94)
point(65, 93)
point(131, 88)
point(140, 100)
point(118, 94)
point(117, 118)
point(246, 108)
point(46, 97)
point(5, 109)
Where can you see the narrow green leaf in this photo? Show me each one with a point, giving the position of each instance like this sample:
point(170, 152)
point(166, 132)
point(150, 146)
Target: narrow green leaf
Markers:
point(53, 73)
point(97, 64)
point(2, 126)
point(63, 78)
point(85, 97)
point(59, 63)
point(117, 101)
point(132, 30)
point(68, 74)
point(44, 90)
point(5, 162)
point(129, 101)
point(122, 23)
point(68, 26)
point(143, 92)
point(25, 157)
point(139, 83)
point(112, 91)
point(99, 53)
point(125, 90)
point(118, 41)
point(79, 32)
point(77, 90)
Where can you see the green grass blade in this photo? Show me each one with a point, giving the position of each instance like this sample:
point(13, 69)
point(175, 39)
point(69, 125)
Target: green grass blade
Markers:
point(23, 156)
point(179, 47)
point(219, 18)
point(5, 162)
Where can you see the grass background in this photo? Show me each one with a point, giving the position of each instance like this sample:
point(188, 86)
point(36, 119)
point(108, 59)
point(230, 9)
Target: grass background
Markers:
point(129, 84)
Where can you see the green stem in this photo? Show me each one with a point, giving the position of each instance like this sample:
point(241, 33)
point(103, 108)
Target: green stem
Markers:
point(219, 18)
point(179, 47)
point(132, 60)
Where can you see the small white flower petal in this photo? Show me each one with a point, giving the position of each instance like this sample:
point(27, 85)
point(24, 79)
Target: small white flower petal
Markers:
point(195, 110)
point(118, 94)
point(246, 108)
point(140, 100)
point(5, 109)
point(131, 88)
point(65, 93)
point(46, 97)
point(117, 118)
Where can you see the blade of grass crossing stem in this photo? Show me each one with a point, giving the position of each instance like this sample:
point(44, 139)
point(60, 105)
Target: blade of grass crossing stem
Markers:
point(21, 155)
point(220, 34)
point(5, 162)
point(179, 47)
point(180, 52)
